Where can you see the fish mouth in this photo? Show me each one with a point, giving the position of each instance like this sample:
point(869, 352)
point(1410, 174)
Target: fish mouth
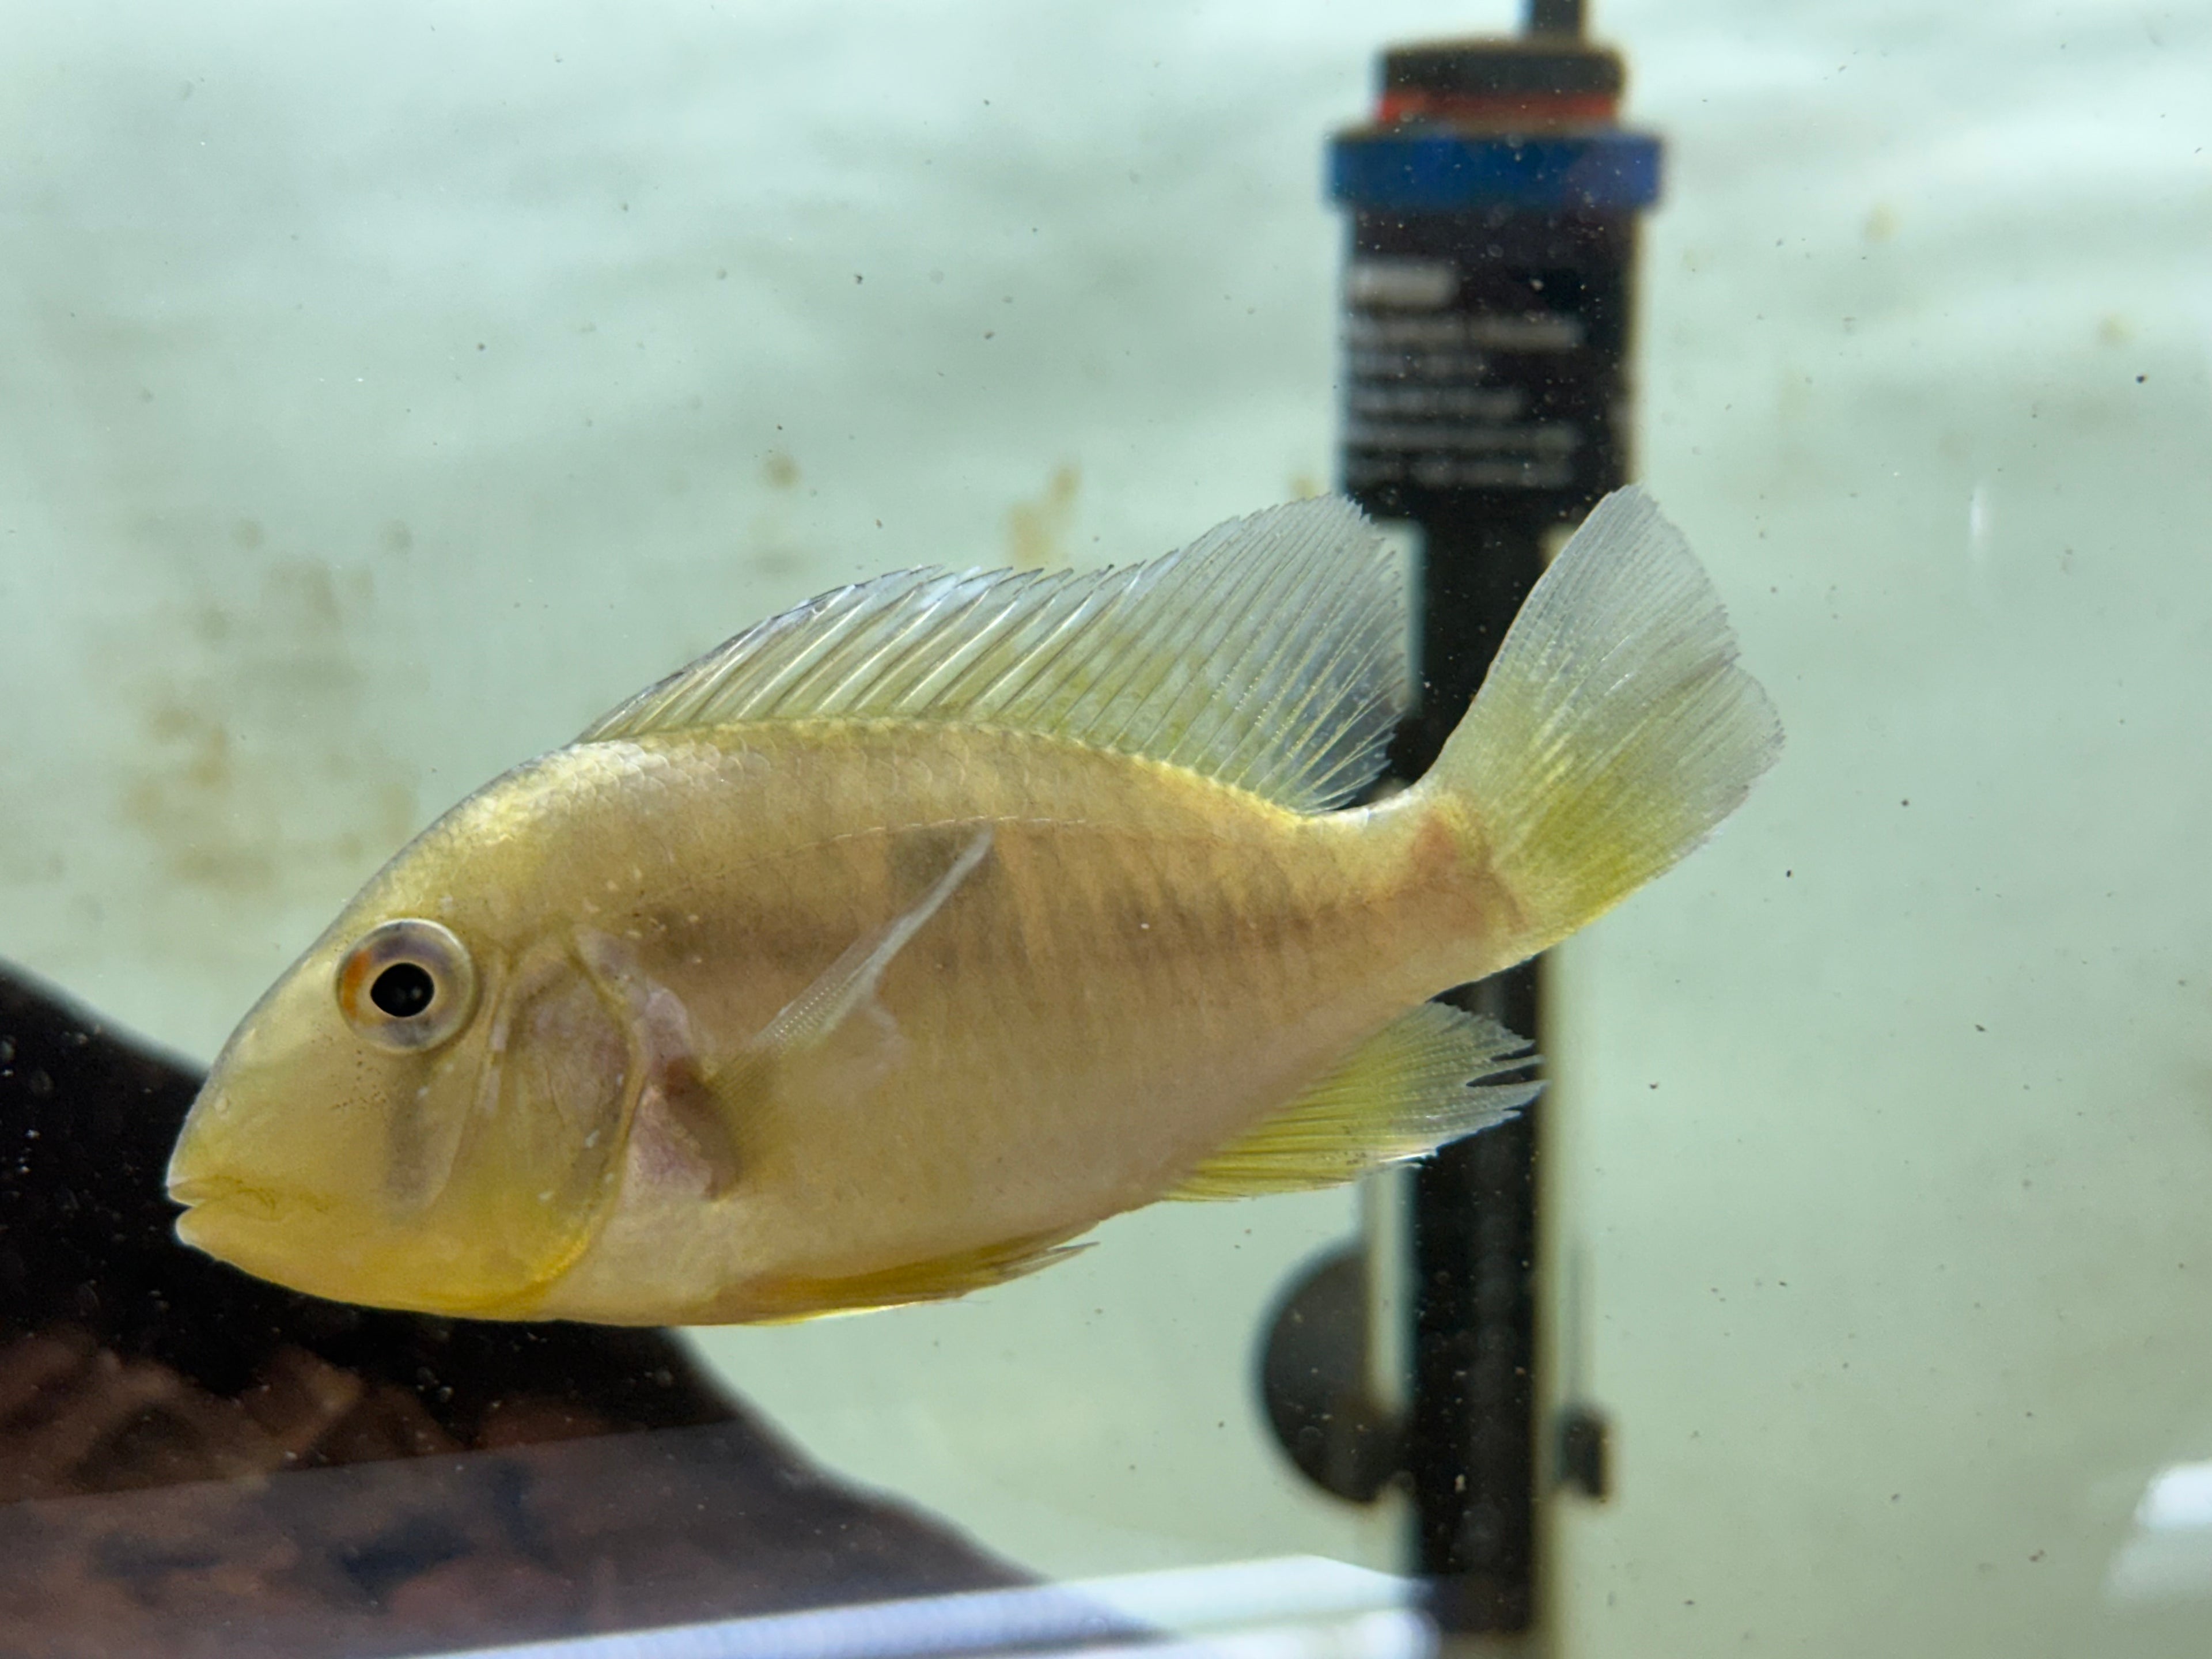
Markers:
point(213, 1189)
point(288, 1237)
point(232, 1200)
point(202, 1192)
point(256, 1229)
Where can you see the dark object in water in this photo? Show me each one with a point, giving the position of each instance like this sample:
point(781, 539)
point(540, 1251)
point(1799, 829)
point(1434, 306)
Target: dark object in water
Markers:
point(1315, 1385)
point(130, 1361)
point(1488, 402)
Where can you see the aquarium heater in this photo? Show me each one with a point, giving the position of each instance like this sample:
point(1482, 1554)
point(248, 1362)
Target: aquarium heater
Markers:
point(1486, 307)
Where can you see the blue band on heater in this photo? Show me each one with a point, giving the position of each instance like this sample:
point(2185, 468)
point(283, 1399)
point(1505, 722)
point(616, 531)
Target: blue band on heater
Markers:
point(1436, 172)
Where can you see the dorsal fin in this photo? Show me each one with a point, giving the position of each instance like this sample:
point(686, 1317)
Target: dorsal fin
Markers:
point(1269, 654)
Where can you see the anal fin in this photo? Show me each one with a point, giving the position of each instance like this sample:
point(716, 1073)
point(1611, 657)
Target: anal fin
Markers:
point(1412, 1087)
point(937, 1280)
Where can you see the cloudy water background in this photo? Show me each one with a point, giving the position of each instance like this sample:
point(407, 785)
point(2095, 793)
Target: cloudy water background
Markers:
point(387, 391)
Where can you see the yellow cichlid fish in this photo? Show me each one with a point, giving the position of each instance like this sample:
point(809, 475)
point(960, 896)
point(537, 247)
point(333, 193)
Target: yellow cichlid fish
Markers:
point(910, 934)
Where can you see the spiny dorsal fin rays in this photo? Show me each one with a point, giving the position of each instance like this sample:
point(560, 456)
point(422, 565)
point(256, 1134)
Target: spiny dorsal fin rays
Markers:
point(1269, 654)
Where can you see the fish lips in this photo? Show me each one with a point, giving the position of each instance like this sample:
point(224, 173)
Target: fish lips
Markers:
point(252, 1228)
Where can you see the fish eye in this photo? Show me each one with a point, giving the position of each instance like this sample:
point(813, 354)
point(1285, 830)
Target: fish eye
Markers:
point(407, 986)
point(403, 989)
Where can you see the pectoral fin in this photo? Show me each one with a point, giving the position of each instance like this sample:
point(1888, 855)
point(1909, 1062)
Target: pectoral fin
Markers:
point(1414, 1085)
point(691, 1107)
point(836, 1030)
point(848, 984)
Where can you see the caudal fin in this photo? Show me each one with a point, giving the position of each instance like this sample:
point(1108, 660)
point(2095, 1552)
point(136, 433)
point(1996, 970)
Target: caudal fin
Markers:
point(1615, 731)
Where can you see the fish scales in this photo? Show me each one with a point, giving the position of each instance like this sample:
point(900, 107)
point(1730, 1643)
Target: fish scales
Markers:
point(914, 931)
point(1190, 953)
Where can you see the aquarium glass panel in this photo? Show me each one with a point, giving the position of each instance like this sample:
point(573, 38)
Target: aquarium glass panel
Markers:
point(927, 1136)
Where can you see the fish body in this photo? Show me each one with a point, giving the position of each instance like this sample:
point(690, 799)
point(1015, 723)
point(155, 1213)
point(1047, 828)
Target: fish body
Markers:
point(910, 935)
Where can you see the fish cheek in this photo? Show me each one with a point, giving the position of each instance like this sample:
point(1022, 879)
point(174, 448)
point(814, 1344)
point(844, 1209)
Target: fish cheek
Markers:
point(541, 1145)
point(428, 1118)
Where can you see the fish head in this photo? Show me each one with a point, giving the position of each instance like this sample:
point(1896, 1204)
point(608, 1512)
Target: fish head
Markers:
point(426, 1112)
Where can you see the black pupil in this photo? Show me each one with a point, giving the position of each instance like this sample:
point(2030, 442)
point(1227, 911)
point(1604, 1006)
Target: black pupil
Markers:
point(404, 990)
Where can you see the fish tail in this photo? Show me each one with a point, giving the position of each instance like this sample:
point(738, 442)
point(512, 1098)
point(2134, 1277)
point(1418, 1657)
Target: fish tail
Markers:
point(1615, 731)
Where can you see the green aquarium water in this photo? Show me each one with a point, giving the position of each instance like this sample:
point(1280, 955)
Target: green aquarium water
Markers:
point(388, 393)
